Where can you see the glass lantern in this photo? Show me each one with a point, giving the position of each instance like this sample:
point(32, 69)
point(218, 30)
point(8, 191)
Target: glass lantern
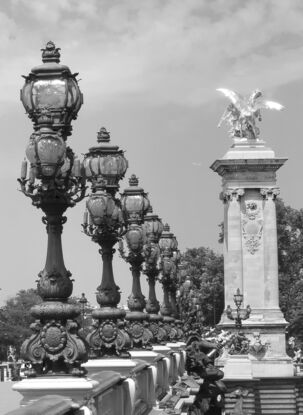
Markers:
point(103, 210)
point(134, 202)
point(46, 153)
point(168, 241)
point(238, 298)
point(105, 161)
point(153, 226)
point(51, 95)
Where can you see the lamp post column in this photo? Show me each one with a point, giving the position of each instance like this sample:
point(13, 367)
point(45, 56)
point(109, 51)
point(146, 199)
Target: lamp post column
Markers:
point(105, 165)
point(153, 228)
point(134, 205)
point(168, 244)
point(52, 99)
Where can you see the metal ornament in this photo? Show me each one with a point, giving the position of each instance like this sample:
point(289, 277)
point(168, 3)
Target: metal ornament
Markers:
point(239, 314)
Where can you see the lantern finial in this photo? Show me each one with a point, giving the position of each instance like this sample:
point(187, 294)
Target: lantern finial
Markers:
point(133, 181)
point(166, 227)
point(50, 53)
point(103, 135)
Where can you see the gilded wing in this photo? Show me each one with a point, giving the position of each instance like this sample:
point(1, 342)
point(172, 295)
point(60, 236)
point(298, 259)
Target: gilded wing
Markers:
point(235, 98)
point(271, 105)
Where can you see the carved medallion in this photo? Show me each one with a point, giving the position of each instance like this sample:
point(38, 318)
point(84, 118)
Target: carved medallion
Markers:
point(108, 331)
point(136, 330)
point(53, 337)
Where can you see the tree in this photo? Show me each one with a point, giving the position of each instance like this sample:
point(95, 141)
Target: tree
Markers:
point(15, 320)
point(290, 258)
point(205, 268)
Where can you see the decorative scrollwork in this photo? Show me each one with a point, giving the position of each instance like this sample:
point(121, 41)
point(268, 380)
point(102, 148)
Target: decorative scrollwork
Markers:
point(108, 338)
point(54, 347)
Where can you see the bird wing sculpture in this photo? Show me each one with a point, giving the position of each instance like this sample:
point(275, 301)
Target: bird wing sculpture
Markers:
point(235, 98)
point(270, 105)
point(242, 113)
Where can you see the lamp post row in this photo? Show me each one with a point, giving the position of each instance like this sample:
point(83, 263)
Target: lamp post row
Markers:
point(57, 180)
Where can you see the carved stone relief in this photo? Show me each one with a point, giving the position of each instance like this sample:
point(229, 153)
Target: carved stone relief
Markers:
point(252, 226)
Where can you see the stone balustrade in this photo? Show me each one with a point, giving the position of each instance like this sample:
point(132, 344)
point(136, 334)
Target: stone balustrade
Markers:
point(138, 390)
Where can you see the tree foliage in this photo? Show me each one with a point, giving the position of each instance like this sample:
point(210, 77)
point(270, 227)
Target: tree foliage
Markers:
point(15, 320)
point(290, 258)
point(205, 268)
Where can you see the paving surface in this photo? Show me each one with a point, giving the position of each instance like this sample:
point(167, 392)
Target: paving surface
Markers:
point(9, 399)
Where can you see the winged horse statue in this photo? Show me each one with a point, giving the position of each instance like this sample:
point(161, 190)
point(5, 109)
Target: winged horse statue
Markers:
point(242, 113)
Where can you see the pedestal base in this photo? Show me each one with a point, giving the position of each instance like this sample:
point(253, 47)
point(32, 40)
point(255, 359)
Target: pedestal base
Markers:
point(272, 368)
point(238, 367)
point(67, 386)
point(147, 355)
point(122, 366)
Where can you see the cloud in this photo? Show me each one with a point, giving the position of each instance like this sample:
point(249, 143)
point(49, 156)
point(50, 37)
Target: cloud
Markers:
point(159, 52)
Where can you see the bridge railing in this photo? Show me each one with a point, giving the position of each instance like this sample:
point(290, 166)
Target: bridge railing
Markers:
point(135, 393)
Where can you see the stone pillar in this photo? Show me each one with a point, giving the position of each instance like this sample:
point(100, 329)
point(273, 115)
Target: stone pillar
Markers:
point(271, 292)
point(232, 241)
point(248, 172)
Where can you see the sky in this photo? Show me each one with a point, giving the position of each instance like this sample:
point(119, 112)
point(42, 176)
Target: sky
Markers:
point(149, 72)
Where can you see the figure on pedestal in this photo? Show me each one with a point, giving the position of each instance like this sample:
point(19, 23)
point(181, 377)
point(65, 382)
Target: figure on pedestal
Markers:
point(242, 113)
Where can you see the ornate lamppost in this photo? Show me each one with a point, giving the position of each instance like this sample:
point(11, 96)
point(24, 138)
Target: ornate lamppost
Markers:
point(52, 99)
point(105, 165)
point(153, 228)
point(173, 292)
point(174, 283)
point(82, 301)
point(168, 244)
point(239, 314)
point(134, 205)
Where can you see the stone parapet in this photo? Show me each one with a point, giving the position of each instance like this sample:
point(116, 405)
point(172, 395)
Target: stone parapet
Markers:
point(137, 390)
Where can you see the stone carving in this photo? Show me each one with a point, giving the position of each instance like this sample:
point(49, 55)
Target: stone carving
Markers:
point(270, 193)
point(108, 337)
point(258, 349)
point(252, 226)
point(238, 344)
point(242, 113)
point(232, 194)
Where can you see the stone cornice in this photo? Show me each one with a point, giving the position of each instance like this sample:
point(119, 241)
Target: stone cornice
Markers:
point(224, 166)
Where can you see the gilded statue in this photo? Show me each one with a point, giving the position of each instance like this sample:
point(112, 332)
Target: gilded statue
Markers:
point(243, 112)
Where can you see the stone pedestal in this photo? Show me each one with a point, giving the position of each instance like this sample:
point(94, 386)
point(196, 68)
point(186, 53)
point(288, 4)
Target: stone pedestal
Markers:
point(238, 367)
point(66, 386)
point(248, 172)
point(159, 348)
